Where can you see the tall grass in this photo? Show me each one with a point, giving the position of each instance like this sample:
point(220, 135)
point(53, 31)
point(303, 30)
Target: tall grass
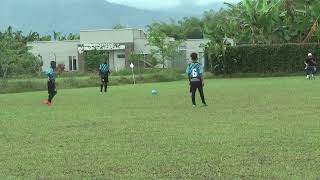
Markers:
point(79, 81)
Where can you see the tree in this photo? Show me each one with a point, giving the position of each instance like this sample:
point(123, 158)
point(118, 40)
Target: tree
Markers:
point(8, 54)
point(72, 36)
point(163, 46)
point(32, 36)
point(119, 26)
point(14, 55)
point(94, 58)
point(260, 17)
point(45, 38)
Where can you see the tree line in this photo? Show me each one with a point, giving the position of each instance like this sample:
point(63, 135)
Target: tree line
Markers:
point(247, 22)
point(252, 22)
point(15, 58)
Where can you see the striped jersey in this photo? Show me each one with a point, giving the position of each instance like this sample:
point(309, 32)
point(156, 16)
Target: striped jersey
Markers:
point(194, 71)
point(104, 69)
point(51, 74)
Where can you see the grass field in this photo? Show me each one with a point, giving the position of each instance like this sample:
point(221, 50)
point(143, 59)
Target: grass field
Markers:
point(253, 129)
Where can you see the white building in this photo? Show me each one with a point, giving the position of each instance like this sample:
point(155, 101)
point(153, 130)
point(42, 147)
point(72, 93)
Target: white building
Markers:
point(118, 44)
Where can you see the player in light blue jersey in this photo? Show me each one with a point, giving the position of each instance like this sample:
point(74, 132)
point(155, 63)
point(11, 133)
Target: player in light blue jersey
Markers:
point(52, 90)
point(196, 81)
point(104, 76)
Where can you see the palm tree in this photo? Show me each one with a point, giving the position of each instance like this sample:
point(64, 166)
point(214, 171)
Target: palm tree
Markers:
point(259, 16)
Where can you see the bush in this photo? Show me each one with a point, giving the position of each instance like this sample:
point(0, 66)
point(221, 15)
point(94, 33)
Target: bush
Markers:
point(265, 59)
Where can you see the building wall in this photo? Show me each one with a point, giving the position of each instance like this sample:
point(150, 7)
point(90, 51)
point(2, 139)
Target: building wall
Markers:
point(134, 41)
point(141, 46)
point(117, 61)
point(139, 34)
point(110, 36)
point(58, 51)
point(195, 46)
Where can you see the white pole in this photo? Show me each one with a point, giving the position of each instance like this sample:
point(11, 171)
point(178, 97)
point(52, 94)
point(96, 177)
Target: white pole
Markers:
point(134, 80)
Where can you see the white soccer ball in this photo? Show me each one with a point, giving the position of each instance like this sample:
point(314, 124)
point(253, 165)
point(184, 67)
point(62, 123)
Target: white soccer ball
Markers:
point(154, 92)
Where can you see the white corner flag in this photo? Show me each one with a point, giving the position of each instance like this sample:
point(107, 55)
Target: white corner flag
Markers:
point(132, 66)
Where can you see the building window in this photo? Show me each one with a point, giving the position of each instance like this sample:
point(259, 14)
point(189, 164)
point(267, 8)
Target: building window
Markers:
point(70, 63)
point(75, 67)
point(121, 56)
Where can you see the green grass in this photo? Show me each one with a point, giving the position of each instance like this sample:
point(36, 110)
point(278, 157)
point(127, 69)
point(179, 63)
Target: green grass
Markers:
point(253, 129)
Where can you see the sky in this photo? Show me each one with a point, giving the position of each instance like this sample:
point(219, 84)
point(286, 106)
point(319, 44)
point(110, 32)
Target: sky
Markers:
point(164, 4)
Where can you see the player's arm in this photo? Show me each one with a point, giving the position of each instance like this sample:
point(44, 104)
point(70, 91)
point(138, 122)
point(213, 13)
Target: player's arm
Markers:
point(201, 75)
point(49, 74)
point(100, 70)
point(188, 72)
point(305, 62)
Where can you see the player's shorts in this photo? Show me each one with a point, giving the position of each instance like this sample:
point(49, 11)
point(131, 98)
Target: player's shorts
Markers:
point(104, 79)
point(311, 69)
point(195, 85)
point(52, 87)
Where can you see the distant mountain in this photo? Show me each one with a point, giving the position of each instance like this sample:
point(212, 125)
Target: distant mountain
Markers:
point(46, 16)
point(193, 10)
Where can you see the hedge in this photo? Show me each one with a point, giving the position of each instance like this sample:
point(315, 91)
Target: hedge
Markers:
point(265, 59)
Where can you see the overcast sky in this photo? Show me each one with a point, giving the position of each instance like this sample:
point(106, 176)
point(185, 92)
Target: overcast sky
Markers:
point(160, 4)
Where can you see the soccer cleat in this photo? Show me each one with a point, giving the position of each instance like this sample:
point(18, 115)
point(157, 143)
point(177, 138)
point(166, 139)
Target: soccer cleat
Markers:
point(45, 102)
point(49, 104)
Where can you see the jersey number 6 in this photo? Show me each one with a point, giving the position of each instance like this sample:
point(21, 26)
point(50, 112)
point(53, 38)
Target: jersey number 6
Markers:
point(194, 73)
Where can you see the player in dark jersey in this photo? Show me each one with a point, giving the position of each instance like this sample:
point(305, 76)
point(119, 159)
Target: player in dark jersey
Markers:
point(195, 75)
point(310, 63)
point(104, 75)
point(52, 90)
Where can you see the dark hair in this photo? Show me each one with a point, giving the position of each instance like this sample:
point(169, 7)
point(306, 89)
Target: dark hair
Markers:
point(194, 56)
point(53, 64)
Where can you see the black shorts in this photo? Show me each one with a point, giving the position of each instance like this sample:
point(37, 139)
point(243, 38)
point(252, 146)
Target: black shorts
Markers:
point(195, 85)
point(52, 87)
point(104, 79)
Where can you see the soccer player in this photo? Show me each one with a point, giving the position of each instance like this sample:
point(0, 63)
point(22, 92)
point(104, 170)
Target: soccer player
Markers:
point(196, 81)
point(310, 63)
point(104, 75)
point(52, 90)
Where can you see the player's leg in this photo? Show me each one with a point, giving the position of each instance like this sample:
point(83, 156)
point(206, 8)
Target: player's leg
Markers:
point(193, 92)
point(51, 92)
point(101, 84)
point(200, 87)
point(307, 72)
point(54, 90)
point(106, 84)
point(310, 71)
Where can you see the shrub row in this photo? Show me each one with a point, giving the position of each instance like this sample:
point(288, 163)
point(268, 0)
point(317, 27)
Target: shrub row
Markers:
point(263, 59)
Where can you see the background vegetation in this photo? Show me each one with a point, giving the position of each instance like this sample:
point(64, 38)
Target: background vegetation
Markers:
point(256, 23)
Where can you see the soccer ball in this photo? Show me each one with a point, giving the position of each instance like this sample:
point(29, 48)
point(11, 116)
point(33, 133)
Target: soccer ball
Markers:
point(154, 92)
